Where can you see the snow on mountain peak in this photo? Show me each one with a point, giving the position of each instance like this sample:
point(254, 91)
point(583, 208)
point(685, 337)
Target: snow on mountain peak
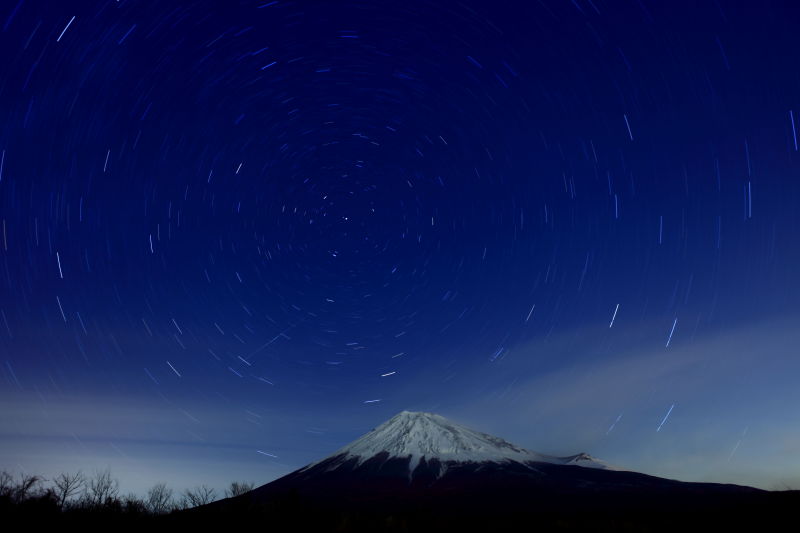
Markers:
point(418, 435)
point(415, 435)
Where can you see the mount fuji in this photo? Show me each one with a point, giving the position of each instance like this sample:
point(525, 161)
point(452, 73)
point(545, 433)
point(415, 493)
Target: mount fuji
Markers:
point(417, 456)
point(424, 468)
point(429, 443)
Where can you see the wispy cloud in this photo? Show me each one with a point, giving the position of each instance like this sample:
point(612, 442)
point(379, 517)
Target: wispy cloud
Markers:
point(719, 386)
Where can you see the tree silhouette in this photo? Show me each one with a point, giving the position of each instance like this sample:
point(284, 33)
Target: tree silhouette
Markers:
point(65, 486)
point(133, 505)
point(25, 487)
point(102, 489)
point(159, 499)
point(237, 488)
point(6, 484)
point(198, 496)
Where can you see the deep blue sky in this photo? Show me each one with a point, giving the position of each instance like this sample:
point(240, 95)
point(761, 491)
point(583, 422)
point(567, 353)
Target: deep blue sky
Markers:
point(237, 235)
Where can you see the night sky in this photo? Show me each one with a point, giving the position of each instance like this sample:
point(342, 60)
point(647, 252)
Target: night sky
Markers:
point(238, 235)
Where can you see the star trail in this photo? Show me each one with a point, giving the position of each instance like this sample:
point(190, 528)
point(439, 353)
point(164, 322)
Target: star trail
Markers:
point(237, 235)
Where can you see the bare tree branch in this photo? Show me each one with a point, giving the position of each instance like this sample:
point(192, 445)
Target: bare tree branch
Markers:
point(102, 488)
point(238, 488)
point(26, 486)
point(68, 485)
point(198, 496)
point(6, 484)
point(159, 499)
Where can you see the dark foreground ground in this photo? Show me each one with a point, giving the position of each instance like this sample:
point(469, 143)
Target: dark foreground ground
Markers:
point(498, 498)
point(757, 512)
point(290, 512)
point(376, 498)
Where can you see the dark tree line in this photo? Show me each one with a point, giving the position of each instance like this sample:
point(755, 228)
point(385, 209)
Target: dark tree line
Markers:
point(78, 493)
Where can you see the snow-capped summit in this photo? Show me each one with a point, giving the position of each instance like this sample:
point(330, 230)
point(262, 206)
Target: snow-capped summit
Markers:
point(414, 436)
point(428, 435)
point(426, 462)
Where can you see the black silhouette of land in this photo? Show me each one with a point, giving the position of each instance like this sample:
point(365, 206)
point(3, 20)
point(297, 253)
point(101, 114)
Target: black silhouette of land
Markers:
point(495, 502)
point(466, 481)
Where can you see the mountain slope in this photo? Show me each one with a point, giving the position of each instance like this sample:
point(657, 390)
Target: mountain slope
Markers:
point(425, 457)
point(423, 465)
point(418, 437)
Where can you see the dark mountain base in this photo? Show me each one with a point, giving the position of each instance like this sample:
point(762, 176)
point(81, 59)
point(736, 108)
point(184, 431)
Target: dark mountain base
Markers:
point(379, 495)
point(290, 511)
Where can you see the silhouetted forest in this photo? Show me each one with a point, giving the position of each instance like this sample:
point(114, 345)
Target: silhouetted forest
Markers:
point(78, 499)
point(78, 495)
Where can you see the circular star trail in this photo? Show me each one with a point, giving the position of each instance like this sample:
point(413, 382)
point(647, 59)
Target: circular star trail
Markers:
point(264, 225)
